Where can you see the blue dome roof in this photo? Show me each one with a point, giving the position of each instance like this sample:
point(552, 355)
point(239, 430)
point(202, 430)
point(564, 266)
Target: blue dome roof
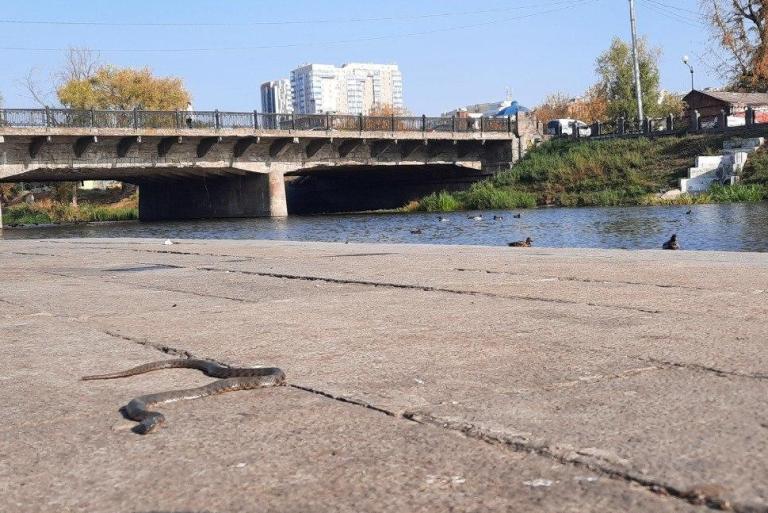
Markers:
point(513, 109)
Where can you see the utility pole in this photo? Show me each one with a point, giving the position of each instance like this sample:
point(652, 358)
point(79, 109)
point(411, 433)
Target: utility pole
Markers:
point(638, 87)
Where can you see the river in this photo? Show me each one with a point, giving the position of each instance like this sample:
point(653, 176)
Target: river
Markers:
point(728, 227)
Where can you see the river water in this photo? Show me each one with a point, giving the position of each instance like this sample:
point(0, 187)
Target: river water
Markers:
point(728, 227)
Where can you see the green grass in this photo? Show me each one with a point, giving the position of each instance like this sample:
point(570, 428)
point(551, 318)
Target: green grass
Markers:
point(24, 214)
point(756, 169)
point(54, 212)
point(737, 193)
point(601, 173)
point(481, 196)
point(439, 202)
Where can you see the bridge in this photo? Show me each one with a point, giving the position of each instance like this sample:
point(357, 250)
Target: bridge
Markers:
point(235, 164)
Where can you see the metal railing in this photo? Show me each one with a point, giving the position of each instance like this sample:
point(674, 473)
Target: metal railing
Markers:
point(752, 120)
point(220, 120)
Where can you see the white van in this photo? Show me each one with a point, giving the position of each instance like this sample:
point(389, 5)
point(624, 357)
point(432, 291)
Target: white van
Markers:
point(565, 127)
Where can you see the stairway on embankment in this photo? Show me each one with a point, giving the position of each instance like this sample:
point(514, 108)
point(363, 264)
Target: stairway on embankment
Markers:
point(724, 168)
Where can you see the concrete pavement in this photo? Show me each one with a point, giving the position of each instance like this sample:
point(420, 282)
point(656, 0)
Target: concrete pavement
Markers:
point(422, 378)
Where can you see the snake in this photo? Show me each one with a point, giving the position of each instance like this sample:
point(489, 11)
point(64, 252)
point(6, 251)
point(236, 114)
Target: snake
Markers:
point(231, 379)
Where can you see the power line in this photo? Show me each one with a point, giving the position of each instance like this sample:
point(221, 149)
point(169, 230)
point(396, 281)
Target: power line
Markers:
point(277, 22)
point(569, 5)
point(677, 16)
point(675, 7)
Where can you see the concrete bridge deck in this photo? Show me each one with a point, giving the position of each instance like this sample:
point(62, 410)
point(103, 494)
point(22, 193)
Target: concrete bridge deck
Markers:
point(221, 170)
point(424, 378)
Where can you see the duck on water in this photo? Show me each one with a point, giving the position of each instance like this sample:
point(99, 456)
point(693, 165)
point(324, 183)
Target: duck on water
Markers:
point(527, 243)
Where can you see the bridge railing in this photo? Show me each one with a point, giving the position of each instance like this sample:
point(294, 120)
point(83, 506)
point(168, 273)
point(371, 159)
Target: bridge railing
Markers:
point(217, 120)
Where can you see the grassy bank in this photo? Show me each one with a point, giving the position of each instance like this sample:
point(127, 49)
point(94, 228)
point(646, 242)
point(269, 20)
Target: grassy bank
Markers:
point(600, 173)
point(50, 211)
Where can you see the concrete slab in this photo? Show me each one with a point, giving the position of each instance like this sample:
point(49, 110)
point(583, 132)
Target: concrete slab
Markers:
point(647, 370)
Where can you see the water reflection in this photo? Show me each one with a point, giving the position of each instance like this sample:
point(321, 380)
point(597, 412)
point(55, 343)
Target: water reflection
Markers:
point(734, 227)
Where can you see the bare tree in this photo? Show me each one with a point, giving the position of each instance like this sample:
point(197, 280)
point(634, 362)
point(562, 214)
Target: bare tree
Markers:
point(739, 27)
point(35, 90)
point(79, 64)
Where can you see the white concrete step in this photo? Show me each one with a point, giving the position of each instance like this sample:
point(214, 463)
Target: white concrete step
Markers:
point(698, 183)
point(693, 172)
point(709, 162)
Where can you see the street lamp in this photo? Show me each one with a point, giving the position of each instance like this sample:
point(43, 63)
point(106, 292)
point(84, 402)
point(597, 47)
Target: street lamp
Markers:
point(685, 61)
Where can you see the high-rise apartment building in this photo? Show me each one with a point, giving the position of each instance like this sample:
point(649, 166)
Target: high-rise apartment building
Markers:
point(355, 88)
point(277, 97)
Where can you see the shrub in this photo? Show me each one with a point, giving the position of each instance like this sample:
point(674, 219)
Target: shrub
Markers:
point(736, 193)
point(485, 196)
point(440, 202)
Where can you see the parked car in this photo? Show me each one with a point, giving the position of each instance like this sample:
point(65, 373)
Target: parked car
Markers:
point(565, 126)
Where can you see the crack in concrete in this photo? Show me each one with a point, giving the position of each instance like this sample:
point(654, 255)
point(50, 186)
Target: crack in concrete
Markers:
point(587, 280)
point(340, 281)
point(702, 368)
point(10, 303)
point(156, 288)
point(568, 456)
point(146, 343)
point(609, 467)
point(186, 354)
point(425, 288)
point(343, 399)
point(21, 253)
point(382, 284)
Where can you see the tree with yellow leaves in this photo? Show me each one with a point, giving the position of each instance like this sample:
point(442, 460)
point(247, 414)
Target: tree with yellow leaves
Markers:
point(124, 89)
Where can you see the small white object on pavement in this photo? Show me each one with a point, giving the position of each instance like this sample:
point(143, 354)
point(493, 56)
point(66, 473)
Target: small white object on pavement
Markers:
point(536, 483)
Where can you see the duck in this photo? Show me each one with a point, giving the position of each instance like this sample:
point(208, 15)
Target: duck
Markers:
point(475, 218)
point(689, 212)
point(417, 231)
point(442, 219)
point(498, 218)
point(527, 243)
point(671, 243)
point(517, 216)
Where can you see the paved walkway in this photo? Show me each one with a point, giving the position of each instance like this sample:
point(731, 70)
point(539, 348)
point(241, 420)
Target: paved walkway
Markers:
point(422, 378)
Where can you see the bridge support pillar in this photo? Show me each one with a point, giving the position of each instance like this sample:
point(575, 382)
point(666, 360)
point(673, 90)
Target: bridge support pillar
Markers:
point(213, 197)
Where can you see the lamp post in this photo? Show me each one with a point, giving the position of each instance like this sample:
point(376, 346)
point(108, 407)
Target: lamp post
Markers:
point(685, 61)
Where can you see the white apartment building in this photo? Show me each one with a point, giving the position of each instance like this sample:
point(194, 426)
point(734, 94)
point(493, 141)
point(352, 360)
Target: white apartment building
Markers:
point(277, 97)
point(354, 88)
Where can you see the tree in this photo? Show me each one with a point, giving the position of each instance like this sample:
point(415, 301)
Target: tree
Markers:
point(616, 79)
point(555, 106)
point(671, 104)
point(593, 106)
point(387, 110)
point(740, 28)
point(380, 117)
point(589, 108)
point(125, 89)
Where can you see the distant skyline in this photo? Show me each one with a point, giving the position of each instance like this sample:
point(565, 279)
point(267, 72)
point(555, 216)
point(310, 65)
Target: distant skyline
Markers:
point(451, 52)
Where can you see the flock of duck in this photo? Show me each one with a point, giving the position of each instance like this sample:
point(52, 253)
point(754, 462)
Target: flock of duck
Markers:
point(672, 243)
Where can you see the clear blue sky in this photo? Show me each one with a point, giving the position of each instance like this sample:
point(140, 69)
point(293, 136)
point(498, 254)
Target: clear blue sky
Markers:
point(451, 52)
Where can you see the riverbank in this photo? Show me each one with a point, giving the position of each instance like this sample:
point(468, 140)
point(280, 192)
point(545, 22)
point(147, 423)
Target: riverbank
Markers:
point(609, 172)
point(50, 211)
point(421, 378)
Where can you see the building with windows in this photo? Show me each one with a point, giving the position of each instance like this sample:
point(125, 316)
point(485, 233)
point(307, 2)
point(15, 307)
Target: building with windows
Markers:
point(277, 97)
point(354, 88)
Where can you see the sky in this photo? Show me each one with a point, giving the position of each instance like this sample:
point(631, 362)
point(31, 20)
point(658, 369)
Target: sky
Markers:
point(451, 52)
